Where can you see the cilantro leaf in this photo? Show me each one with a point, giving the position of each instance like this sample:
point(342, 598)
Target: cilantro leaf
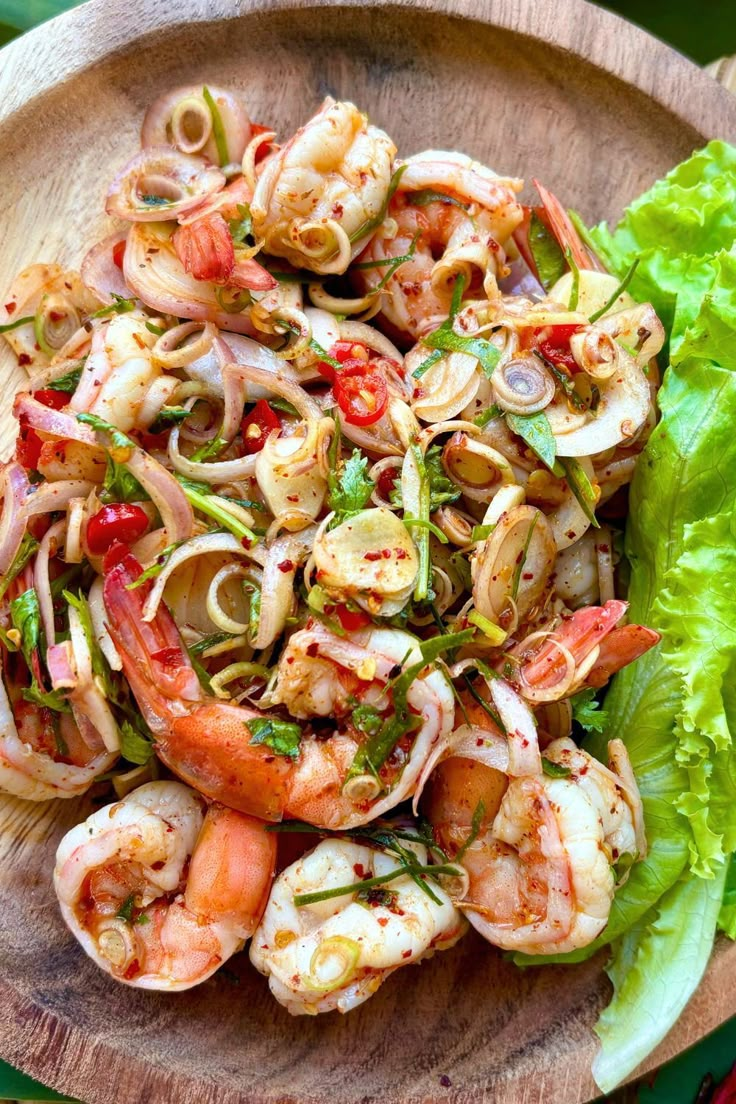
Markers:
point(118, 440)
point(120, 305)
point(441, 487)
point(554, 770)
point(27, 550)
point(586, 710)
point(242, 226)
point(352, 488)
point(68, 383)
point(283, 737)
point(120, 485)
point(167, 417)
point(549, 260)
point(537, 432)
point(136, 745)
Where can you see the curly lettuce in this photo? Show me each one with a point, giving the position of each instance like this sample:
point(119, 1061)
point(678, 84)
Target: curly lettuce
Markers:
point(676, 707)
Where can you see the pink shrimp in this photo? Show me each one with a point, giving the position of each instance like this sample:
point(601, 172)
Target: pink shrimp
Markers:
point(206, 741)
point(205, 247)
point(160, 893)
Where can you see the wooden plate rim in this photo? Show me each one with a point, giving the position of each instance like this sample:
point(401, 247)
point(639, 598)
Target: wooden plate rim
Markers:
point(35, 1039)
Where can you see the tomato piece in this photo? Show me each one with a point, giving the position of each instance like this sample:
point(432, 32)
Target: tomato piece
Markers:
point(28, 448)
point(556, 345)
point(118, 253)
point(257, 425)
point(262, 148)
point(361, 394)
point(47, 396)
point(118, 521)
point(352, 620)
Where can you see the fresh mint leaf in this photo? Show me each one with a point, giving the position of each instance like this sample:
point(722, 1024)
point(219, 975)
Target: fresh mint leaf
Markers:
point(283, 737)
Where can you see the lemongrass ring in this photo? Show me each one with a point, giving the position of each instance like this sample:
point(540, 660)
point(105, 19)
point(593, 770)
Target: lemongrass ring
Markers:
point(335, 304)
point(191, 124)
point(350, 330)
point(457, 425)
point(560, 689)
point(216, 613)
point(234, 671)
point(197, 546)
point(224, 646)
point(248, 164)
point(170, 352)
point(385, 464)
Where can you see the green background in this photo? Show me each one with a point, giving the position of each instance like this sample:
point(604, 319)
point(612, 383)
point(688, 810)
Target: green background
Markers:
point(704, 32)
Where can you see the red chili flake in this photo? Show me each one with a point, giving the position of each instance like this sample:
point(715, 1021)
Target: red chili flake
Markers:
point(286, 566)
point(406, 954)
point(312, 650)
point(400, 553)
point(292, 498)
point(359, 870)
point(337, 210)
point(445, 1081)
point(527, 575)
point(246, 543)
point(10, 307)
point(386, 553)
point(603, 547)
point(56, 316)
point(383, 921)
point(372, 556)
point(25, 359)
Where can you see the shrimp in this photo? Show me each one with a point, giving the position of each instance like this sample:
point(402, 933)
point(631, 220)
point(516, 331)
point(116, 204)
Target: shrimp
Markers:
point(204, 243)
point(460, 231)
point(160, 893)
point(118, 371)
point(335, 953)
point(541, 866)
point(205, 740)
point(319, 196)
point(583, 650)
point(43, 754)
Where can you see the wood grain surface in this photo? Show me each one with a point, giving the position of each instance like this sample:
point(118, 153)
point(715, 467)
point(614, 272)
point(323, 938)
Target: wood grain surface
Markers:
point(552, 88)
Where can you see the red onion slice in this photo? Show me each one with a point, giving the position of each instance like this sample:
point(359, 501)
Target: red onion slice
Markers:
point(158, 129)
point(13, 520)
point(155, 274)
point(53, 422)
point(161, 183)
point(166, 494)
point(101, 274)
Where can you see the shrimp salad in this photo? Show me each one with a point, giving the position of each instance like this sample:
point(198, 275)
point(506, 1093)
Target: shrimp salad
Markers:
point(310, 550)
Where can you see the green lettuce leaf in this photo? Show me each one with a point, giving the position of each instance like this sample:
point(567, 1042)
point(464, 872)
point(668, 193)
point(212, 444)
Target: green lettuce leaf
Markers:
point(657, 967)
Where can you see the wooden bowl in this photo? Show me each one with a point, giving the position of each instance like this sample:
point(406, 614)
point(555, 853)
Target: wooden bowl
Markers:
point(553, 88)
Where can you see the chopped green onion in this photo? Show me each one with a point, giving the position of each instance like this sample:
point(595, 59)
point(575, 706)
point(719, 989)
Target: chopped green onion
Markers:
point(554, 770)
point(619, 291)
point(218, 130)
point(28, 320)
point(158, 330)
point(475, 823)
point(426, 196)
point(522, 559)
point(581, 487)
point(118, 306)
point(422, 523)
point(374, 223)
point(495, 633)
point(575, 289)
point(301, 899)
point(157, 567)
point(209, 504)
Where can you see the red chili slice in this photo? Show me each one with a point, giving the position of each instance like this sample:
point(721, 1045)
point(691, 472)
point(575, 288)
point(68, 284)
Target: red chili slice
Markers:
point(347, 353)
point(256, 427)
point(361, 394)
point(556, 345)
point(118, 521)
point(352, 620)
point(47, 396)
point(118, 253)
